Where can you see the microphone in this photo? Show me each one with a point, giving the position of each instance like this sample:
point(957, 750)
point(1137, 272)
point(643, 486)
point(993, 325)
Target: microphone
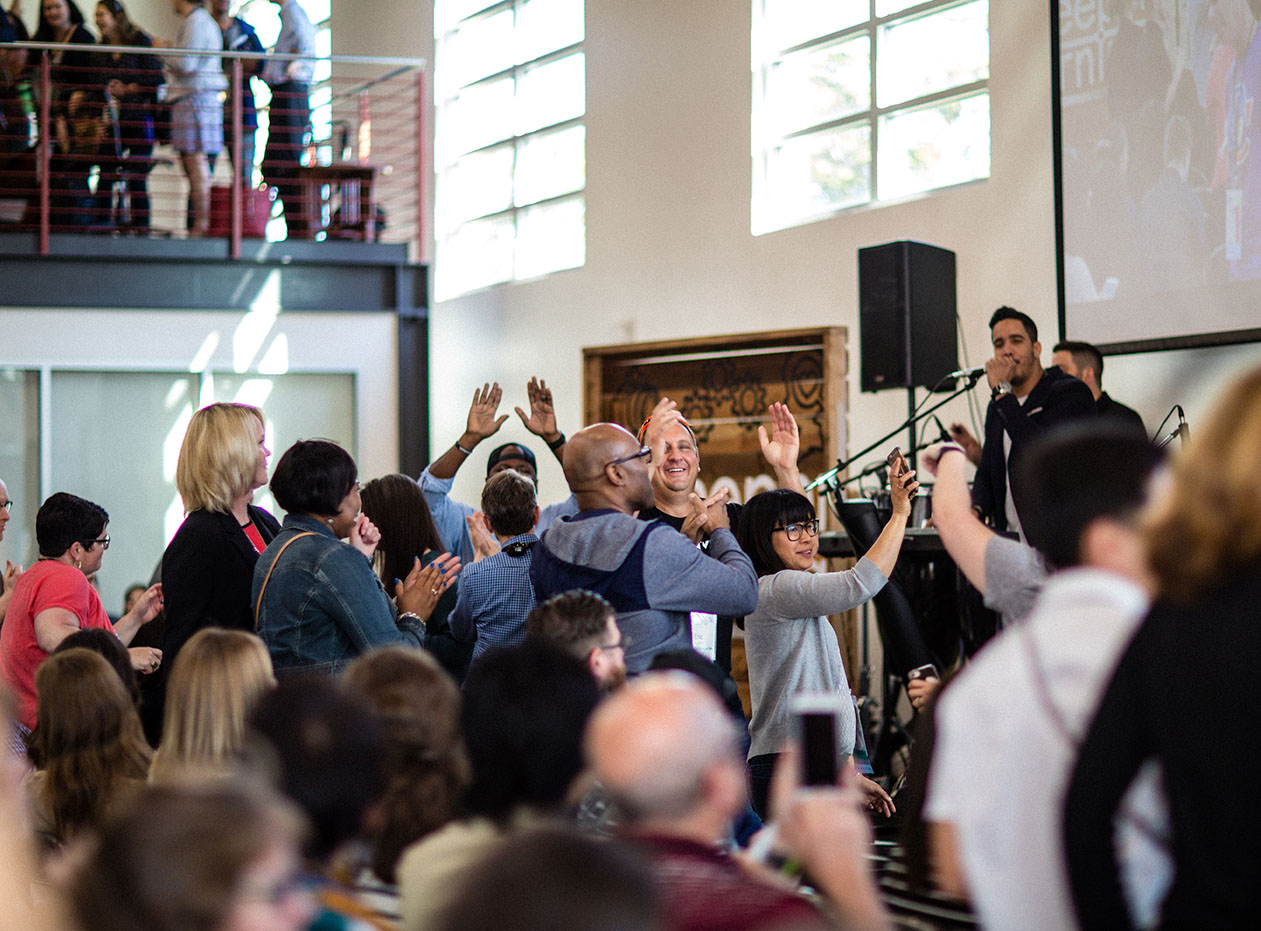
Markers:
point(945, 434)
point(973, 372)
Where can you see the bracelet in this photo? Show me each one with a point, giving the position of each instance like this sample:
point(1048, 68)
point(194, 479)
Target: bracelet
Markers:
point(557, 443)
point(412, 615)
point(467, 452)
point(946, 447)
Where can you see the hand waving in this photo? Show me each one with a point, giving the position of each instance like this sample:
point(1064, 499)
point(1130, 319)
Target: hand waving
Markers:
point(482, 421)
point(542, 419)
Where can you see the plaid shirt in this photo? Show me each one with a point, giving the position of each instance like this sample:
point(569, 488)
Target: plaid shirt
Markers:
point(494, 597)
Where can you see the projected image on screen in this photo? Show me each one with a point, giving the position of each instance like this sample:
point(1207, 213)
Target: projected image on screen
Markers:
point(1160, 104)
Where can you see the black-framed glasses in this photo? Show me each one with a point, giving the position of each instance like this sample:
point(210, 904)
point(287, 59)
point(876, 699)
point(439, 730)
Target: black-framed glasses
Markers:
point(794, 531)
point(645, 453)
point(103, 541)
point(8, 506)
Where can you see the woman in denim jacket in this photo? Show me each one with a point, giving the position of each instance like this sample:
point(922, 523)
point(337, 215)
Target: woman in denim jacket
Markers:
point(317, 602)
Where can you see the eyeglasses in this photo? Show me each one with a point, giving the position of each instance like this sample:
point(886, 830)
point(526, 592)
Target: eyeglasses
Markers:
point(645, 453)
point(794, 531)
point(8, 506)
point(278, 890)
point(103, 541)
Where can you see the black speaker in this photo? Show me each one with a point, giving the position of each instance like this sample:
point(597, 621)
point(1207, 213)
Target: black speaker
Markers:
point(906, 315)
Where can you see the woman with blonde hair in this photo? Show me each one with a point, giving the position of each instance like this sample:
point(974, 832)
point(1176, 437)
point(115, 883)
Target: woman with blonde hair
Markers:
point(88, 744)
point(208, 566)
point(426, 766)
point(1183, 694)
point(215, 684)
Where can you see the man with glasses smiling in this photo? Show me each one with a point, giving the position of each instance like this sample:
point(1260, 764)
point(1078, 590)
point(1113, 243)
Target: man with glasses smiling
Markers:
point(653, 576)
point(677, 463)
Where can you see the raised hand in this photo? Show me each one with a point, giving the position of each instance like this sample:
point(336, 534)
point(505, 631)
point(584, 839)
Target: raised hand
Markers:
point(542, 419)
point(902, 488)
point(482, 421)
point(663, 416)
point(781, 447)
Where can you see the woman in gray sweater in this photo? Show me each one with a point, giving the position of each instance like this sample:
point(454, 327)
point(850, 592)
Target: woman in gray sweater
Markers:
point(790, 645)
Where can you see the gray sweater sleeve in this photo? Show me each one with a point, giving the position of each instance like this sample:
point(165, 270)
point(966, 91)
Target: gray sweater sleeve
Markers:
point(793, 593)
point(679, 577)
point(1014, 575)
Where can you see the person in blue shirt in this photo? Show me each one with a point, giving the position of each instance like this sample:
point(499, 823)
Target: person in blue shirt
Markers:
point(458, 523)
point(496, 593)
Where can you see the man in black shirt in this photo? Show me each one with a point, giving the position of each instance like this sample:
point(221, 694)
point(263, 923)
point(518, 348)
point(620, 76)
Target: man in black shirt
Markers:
point(1085, 362)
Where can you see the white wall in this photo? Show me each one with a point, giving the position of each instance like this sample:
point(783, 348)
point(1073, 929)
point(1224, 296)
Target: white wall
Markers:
point(364, 344)
point(669, 252)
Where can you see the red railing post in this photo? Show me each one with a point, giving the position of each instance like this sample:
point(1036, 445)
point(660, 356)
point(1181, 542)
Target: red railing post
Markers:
point(44, 166)
point(239, 171)
point(422, 163)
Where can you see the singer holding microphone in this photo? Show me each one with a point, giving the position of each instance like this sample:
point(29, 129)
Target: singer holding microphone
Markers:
point(1025, 399)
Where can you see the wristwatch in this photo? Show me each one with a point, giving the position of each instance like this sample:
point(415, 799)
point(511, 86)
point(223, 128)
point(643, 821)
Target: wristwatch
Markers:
point(1003, 387)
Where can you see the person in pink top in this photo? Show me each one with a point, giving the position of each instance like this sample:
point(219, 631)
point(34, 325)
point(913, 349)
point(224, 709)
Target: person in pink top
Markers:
point(54, 598)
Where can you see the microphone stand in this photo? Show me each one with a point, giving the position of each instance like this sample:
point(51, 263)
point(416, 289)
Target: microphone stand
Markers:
point(828, 479)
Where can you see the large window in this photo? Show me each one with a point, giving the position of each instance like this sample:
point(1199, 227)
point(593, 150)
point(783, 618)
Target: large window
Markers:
point(510, 144)
point(864, 101)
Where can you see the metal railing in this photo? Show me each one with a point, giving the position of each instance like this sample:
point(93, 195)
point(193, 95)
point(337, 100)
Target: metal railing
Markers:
point(75, 156)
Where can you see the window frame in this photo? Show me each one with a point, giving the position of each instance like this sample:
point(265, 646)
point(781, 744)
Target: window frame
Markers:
point(448, 162)
point(764, 143)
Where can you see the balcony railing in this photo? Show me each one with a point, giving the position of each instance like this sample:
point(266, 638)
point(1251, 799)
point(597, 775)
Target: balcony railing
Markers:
point(78, 154)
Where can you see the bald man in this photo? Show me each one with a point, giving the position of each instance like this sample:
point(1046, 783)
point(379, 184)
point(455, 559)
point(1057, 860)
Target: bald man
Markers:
point(653, 576)
point(666, 751)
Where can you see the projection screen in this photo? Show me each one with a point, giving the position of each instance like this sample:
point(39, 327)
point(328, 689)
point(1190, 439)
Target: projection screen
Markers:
point(1159, 135)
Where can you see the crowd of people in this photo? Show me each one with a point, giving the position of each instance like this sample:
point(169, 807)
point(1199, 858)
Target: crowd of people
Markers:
point(394, 710)
point(109, 108)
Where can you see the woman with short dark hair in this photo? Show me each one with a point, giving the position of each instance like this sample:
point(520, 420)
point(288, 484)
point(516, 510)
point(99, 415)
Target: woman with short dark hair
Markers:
point(790, 644)
point(317, 603)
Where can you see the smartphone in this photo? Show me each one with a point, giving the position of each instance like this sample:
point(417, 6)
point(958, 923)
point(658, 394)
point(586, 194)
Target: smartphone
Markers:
point(897, 462)
point(815, 721)
point(927, 671)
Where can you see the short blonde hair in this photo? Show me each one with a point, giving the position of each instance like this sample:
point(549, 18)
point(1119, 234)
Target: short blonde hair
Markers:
point(218, 457)
point(218, 678)
point(1207, 527)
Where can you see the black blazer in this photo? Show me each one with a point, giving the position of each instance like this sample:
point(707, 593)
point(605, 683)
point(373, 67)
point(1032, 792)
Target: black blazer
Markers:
point(207, 572)
point(1056, 397)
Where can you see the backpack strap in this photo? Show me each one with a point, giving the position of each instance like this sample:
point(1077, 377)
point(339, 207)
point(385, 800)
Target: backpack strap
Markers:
point(258, 605)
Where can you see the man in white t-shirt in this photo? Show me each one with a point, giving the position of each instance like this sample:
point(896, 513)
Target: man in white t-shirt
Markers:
point(1008, 726)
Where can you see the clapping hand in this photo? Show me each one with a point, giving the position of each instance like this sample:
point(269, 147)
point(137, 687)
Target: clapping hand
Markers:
point(419, 593)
